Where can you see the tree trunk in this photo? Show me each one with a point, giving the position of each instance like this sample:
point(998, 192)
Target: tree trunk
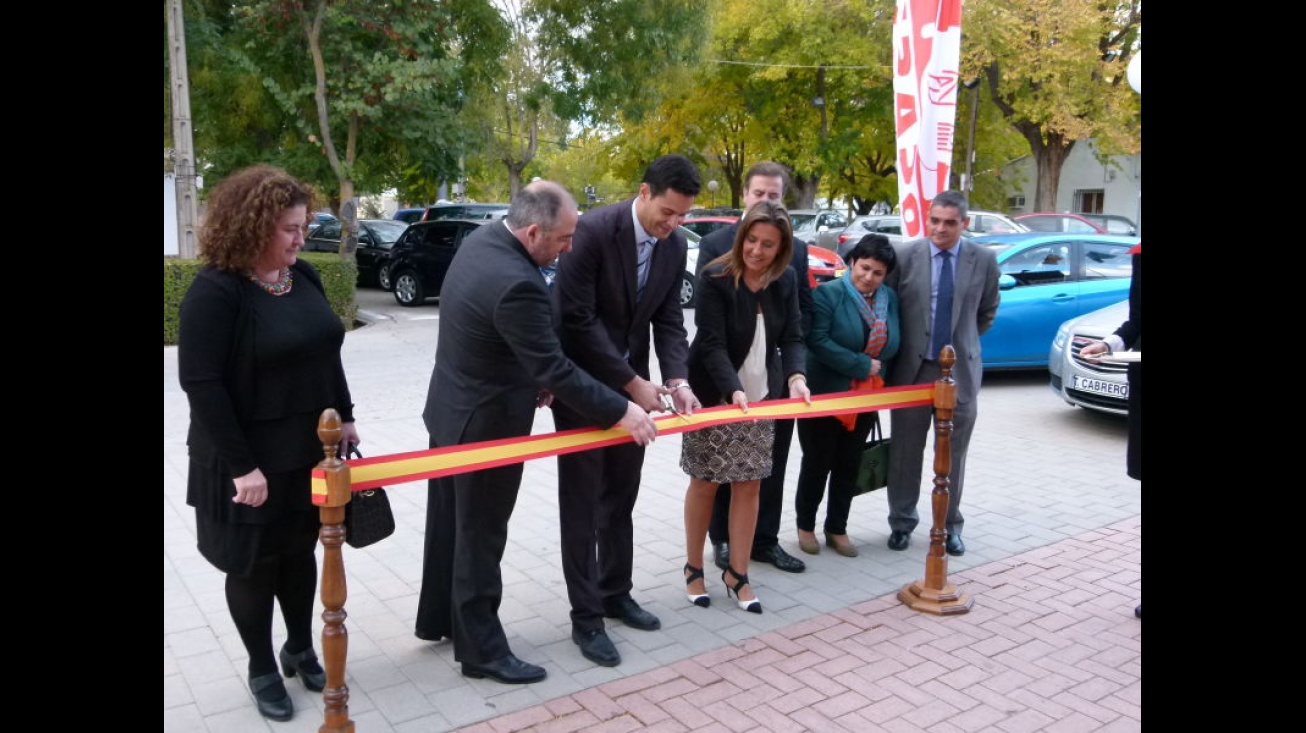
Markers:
point(1049, 157)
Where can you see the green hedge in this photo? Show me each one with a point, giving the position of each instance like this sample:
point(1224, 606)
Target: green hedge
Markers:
point(339, 277)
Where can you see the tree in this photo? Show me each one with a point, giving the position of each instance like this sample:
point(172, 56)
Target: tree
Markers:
point(609, 60)
point(367, 91)
point(1056, 71)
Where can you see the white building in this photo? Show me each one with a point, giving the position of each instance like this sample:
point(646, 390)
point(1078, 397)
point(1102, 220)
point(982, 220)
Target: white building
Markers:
point(1087, 186)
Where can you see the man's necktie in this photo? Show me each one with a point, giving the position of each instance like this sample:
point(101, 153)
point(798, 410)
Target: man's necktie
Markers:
point(644, 254)
point(943, 305)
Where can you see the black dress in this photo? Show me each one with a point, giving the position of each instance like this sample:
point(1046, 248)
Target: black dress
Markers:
point(258, 371)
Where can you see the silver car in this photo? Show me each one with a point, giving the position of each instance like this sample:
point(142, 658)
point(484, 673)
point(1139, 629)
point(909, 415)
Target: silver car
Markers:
point(1098, 386)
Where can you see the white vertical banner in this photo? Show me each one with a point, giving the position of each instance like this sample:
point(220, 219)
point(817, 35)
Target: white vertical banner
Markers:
point(927, 52)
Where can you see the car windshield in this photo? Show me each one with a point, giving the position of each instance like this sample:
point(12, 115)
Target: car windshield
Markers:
point(801, 221)
point(388, 230)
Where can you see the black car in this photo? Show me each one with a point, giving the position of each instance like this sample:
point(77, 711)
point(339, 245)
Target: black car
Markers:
point(465, 211)
point(421, 257)
point(375, 239)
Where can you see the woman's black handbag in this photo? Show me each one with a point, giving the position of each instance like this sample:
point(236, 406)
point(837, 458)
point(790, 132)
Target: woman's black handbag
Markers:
point(873, 472)
point(368, 517)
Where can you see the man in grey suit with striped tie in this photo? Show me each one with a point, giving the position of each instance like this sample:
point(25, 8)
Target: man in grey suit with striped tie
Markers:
point(948, 292)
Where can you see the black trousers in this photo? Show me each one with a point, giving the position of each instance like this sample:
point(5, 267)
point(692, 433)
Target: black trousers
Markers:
point(597, 490)
point(770, 499)
point(462, 584)
point(831, 455)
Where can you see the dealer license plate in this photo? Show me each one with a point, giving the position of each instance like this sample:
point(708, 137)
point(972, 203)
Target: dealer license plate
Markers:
point(1100, 386)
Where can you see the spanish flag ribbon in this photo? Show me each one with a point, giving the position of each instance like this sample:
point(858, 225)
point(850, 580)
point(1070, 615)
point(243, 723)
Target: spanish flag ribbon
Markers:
point(398, 468)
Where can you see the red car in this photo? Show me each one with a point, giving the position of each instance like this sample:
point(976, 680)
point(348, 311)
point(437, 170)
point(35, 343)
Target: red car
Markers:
point(705, 225)
point(823, 265)
point(1052, 221)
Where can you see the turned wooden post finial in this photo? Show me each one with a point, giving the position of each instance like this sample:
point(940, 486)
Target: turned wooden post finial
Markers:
point(934, 594)
point(333, 589)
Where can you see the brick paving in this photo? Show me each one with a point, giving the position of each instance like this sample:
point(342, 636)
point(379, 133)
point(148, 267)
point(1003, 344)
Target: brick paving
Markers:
point(1050, 644)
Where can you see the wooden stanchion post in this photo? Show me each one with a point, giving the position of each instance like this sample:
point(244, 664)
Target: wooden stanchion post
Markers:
point(935, 594)
point(335, 638)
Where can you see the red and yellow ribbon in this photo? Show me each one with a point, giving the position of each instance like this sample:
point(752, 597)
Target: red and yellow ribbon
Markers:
point(398, 468)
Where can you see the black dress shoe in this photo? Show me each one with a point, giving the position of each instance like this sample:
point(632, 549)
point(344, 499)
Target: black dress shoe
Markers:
point(270, 694)
point(899, 540)
point(306, 666)
point(1138, 611)
point(954, 545)
point(509, 670)
point(629, 611)
point(430, 636)
point(776, 555)
point(721, 555)
point(596, 647)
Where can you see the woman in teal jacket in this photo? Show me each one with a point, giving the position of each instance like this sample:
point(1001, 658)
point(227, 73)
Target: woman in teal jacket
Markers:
point(853, 337)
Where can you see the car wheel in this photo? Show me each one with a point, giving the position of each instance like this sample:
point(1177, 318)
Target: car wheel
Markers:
point(383, 277)
point(408, 289)
point(687, 291)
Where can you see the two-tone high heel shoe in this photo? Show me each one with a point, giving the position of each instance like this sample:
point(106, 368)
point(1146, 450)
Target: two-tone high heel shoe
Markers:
point(702, 600)
point(753, 606)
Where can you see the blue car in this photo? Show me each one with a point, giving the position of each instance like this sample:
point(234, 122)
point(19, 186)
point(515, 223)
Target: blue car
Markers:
point(1047, 279)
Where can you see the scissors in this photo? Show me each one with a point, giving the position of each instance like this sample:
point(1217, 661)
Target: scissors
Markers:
point(669, 405)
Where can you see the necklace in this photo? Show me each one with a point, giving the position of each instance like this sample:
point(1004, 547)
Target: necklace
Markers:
point(280, 287)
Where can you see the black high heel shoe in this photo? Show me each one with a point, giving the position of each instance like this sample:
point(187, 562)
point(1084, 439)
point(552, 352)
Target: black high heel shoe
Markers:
point(753, 606)
point(702, 600)
point(305, 664)
point(271, 697)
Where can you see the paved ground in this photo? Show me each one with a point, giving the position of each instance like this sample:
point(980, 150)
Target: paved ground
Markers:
point(1053, 566)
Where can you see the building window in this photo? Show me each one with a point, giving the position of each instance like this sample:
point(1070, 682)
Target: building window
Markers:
point(1016, 204)
point(1089, 202)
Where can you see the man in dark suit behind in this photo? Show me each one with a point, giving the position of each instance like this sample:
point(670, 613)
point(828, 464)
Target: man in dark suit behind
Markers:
point(497, 359)
point(974, 294)
point(764, 181)
point(621, 279)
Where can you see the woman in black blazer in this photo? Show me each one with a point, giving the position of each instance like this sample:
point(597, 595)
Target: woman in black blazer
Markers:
point(748, 347)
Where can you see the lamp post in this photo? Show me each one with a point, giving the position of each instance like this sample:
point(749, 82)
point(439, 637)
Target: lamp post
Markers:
point(712, 186)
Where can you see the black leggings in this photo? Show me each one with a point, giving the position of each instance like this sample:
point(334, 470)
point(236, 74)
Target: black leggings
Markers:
point(285, 570)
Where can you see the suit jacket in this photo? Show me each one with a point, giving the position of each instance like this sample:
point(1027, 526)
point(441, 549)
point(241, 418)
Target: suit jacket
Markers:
point(836, 343)
point(726, 319)
point(498, 347)
point(974, 305)
point(595, 288)
point(719, 242)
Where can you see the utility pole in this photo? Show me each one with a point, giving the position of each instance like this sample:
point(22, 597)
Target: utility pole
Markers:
point(968, 183)
point(184, 149)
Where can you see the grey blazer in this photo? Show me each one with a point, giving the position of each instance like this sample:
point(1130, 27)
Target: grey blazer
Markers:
point(974, 305)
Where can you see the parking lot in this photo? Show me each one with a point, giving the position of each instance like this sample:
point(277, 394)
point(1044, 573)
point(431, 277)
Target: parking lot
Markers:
point(1041, 473)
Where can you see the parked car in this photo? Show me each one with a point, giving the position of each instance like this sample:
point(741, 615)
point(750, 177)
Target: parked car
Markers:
point(890, 225)
point(992, 222)
point(818, 226)
point(1045, 280)
point(705, 225)
point(420, 259)
point(1100, 385)
point(688, 280)
point(465, 211)
point(823, 265)
point(1051, 221)
point(1114, 224)
point(376, 237)
point(410, 215)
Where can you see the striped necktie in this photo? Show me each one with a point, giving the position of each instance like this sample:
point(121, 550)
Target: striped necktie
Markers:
point(644, 254)
point(943, 305)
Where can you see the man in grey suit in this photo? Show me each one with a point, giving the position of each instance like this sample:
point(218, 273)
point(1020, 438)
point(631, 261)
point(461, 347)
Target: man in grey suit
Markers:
point(617, 290)
point(921, 281)
point(497, 359)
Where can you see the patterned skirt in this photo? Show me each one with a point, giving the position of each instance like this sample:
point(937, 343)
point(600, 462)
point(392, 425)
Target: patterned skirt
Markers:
point(739, 451)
